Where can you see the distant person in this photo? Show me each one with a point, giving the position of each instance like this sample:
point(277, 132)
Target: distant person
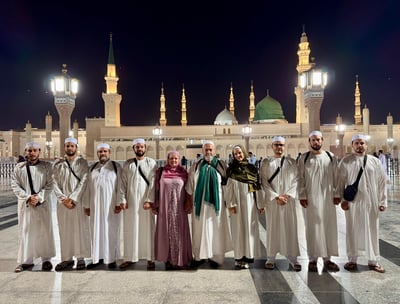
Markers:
point(70, 176)
point(183, 161)
point(317, 171)
point(210, 230)
point(137, 198)
point(172, 242)
point(32, 183)
point(101, 204)
point(252, 158)
point(241, 200)
point(279, 181)
point(362, 214)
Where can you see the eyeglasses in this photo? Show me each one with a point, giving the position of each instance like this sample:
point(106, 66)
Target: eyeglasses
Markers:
point(279, 145)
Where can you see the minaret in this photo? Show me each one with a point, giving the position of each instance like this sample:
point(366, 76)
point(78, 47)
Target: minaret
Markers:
point(365, 115)
point(251, 107)
point(112, 99)
point(232, 102)
point(28, 131)
point(75, 128)
point(183, 108)
point(303, 65)
point(357, 105)
point(49, 128)
point(163, 120)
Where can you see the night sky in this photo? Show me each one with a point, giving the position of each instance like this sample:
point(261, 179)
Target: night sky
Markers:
point(205, 45)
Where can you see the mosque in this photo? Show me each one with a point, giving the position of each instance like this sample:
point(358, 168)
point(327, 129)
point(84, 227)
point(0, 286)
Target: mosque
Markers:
point(265, 120)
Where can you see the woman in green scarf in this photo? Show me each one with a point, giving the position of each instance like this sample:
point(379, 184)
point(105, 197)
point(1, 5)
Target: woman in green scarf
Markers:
point(241, 198)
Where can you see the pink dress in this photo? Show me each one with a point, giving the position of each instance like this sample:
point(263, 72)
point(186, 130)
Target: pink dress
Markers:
point(172, 238)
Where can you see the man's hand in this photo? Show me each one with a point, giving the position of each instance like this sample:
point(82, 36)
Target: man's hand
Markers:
point(345, 205)
point(232, 210)
point(304, 203)
point(117, 209)
point(382, 208)
point(146, 206)
point(123, 206)
point(34, 200)
point(336, 200)
point(69, 203)
point(87, 211)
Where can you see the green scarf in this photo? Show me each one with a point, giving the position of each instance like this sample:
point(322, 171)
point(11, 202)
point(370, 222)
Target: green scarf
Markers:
point(245, 173)
point(208, 178)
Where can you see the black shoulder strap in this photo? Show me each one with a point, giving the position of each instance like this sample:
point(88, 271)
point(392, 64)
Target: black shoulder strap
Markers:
point(115, 167)
point(360, 172)
point(30, 179)
point(307, 156)
point(330, 156)
point(276, 171)
point(72, 171)
point(94, 166)
point(141, 172)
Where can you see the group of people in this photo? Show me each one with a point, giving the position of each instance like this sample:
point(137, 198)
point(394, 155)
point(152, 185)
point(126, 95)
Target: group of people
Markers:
point(185, 218)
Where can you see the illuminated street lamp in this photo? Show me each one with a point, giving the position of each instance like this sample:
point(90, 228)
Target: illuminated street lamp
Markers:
point(313, 82)
point(64, 89)
point(49, 145)
point(340, 130)
point(157, 132)
point(246, 132)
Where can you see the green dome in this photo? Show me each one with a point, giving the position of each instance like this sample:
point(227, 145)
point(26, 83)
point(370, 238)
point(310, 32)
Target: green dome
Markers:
point(268, 109)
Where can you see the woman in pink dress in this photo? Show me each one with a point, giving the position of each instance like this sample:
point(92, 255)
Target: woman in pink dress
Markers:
point(172, 238)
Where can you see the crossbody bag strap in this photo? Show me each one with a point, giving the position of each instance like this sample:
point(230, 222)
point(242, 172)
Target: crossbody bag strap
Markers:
point(72, 171)
point(30, 179)
point(361, 171)
point(276, 171)
point(141, 172)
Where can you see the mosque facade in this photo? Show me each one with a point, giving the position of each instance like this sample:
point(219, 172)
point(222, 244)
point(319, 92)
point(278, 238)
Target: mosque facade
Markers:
point(266, 119)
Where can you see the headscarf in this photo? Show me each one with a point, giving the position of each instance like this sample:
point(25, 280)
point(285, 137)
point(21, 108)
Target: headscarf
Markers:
point(243, 171)
point(173, 172)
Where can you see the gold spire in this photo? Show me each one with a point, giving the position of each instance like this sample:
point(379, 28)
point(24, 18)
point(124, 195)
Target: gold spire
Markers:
point(183, 107)
point(232, 101)
point(357, 104)
point(163, 120)
point(251, 107)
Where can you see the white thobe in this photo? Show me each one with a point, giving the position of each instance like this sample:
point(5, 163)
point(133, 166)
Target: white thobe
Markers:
point(362, 218)
point(101, 197)
point(35, 226)
point(73, 224)
point(244, 223)
point(210, 231)
point(139, 224)
point(317, 184)
point(281, 220)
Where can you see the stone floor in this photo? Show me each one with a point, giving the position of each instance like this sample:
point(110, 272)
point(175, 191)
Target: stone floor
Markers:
point(206, 285)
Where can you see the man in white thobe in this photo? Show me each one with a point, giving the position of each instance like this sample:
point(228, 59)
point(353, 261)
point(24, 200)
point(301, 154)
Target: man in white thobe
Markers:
point(137, 198)
point(317, 171)
point(101, 201)
point(210, 231)
point(32, 183)
point(70, 174)
point(279, 182)
point(362, 214)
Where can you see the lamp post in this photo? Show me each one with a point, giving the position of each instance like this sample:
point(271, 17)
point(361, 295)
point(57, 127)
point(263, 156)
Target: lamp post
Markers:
point(64, 89)
point(246, 132)
point(340, 130)
point(313, 82)
point(157, 132)
point(49, 145)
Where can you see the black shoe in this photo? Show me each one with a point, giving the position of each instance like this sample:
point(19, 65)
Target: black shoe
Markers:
point(112, 265)
point(213, 264)
point(195, 264)
point(64, 265)
point(47, 266)
point(95, 265)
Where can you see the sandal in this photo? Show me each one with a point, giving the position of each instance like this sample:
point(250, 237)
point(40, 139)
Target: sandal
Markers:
point(81, 265)
point(296, 267)
point(376, 267)
point(312, 266)
point(350, 266)
point(269, 265)
point(23, 267)
point(125, 265)
point(64, 265)
point(331, 266)
point(47, 266)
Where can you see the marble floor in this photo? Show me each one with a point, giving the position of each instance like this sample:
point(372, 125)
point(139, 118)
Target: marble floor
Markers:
point(207, 285)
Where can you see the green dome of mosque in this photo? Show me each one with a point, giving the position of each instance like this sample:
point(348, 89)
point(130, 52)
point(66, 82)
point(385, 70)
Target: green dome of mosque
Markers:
point(268, 109)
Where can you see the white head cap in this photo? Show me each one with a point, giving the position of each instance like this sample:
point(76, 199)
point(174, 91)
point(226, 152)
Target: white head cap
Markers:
point(71, 140)
point(359, 136)
point(32, 144)
point(138, 141)
point(278, 138)
point(208, 142)
point(315, 133)
point(103, 145)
